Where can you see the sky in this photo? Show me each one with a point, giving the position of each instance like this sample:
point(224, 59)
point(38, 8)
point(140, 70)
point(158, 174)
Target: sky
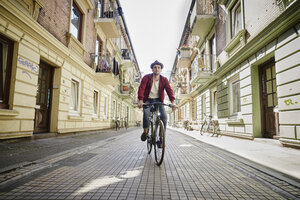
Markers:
point(155, 28)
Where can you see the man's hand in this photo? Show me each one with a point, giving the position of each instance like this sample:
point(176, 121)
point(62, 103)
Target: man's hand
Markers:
point(174, 106)
point(140, 103)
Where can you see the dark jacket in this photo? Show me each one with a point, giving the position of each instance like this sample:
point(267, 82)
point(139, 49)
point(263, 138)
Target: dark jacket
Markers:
point(146, 84)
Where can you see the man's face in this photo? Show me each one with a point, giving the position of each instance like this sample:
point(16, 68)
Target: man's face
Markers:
point(156, 69)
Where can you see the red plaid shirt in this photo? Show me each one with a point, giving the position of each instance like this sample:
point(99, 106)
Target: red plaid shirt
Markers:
point(146, 85)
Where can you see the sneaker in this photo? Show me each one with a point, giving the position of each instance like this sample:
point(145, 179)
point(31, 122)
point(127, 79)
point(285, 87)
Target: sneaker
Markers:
point(144, 136)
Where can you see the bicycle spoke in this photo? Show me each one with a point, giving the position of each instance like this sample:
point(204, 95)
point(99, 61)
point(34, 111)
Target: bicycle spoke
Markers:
point(159, 147)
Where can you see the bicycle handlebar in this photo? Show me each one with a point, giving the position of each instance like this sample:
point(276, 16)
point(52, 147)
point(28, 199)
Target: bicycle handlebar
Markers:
point(157, 103)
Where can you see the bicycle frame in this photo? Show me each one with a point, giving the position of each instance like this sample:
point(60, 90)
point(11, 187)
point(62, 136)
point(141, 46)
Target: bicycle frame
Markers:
point(156, 139)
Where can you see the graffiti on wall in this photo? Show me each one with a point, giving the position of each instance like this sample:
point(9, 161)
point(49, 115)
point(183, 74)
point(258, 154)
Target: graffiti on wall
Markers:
point(29, 65)
point(290, 102)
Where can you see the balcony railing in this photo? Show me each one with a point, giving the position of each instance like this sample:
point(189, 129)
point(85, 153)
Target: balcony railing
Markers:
point(107, 10)
point(203, 68)
point(126, 54)
point(108, 19)
point(104, 64)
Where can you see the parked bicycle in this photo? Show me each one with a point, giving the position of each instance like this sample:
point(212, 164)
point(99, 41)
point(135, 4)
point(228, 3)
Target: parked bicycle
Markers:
point(156, 133)
point(125, 123)
point(210, 126)
point(117, 122)
point(186, 124)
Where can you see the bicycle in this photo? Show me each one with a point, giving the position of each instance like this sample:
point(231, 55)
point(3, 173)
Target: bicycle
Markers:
point(156, 136)
point(125, 123)
point(117, 121)
point(210, 126)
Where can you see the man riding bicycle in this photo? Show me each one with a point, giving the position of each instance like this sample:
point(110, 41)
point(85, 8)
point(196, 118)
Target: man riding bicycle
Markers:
point(151, 90)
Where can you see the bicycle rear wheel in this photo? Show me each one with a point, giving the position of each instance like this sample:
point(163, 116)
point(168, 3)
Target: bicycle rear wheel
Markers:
point(160, 142)
point(149, 138)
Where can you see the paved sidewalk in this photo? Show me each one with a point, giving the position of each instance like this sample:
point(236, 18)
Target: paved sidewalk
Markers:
point(267, 152)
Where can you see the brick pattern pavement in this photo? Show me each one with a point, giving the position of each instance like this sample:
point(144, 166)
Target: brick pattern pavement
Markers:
point(122, 169)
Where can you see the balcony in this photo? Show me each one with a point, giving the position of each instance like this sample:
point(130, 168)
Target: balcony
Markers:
point(108, 20)
point(106, 71)
point(204, 69)
point(202, 19)
point(136, 81)
point(183, 91)
point(184, 57)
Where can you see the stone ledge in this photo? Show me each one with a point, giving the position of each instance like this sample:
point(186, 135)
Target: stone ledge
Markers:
point(7, 112)
point(235, 122)
point(290, 142)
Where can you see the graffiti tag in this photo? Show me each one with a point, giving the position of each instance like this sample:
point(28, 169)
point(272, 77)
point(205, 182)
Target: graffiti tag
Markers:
point(25, 72)
point(29, 65)
point(290, 102)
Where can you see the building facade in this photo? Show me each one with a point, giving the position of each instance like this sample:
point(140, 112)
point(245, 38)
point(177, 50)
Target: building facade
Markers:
point(238, 61)
point(66, 66)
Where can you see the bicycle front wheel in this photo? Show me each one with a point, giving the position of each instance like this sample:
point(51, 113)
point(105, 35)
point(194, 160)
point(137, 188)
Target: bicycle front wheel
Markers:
point(160, 142)
point(203, 128)
point(149, 138)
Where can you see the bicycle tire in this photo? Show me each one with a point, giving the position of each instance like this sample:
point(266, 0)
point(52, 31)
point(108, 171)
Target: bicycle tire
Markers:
point(203, 127)
point(159, 135)
point(149, 138)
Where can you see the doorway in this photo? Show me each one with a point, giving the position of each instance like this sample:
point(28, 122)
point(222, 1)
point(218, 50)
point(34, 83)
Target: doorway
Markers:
point(269, 100)
point(43, 99)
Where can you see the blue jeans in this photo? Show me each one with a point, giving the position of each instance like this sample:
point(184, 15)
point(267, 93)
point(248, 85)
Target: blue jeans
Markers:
point(147, 114)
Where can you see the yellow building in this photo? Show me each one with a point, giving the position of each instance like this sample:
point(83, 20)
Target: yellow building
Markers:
point(66, 66)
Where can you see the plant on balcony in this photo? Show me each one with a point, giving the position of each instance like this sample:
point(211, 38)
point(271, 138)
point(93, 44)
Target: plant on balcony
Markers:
point(185, 47)
point(185, 51)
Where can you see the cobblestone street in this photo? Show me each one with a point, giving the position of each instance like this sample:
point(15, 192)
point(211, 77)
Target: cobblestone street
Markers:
point(120, 168)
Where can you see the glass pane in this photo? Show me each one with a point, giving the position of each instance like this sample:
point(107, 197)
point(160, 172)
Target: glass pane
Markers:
point(4, 52)
point(270, 100)
point(43, 99)
point(238, 20)
point(72, 99)
point(268, 72)
point(275, 99)
point(274, 85)
point(273, 72)
point(75, 22)
point(269, 87)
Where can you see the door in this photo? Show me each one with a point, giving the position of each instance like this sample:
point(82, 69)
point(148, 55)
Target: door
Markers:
point(269, 102)
point(43, 99)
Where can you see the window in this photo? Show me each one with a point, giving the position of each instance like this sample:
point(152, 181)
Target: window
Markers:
point(113, 109)
point(203, 105)
point(95, 103)
point(100, 8)
point(213, 52)
point(6, 53)
point(214, 104)
point(99, 46)
point(105, 109)
point(76, 21)
point(236, 19)
point(235, 101)
point(74, 100)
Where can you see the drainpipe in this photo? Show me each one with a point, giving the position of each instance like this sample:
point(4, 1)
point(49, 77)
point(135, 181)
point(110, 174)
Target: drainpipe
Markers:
point(182, 36)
